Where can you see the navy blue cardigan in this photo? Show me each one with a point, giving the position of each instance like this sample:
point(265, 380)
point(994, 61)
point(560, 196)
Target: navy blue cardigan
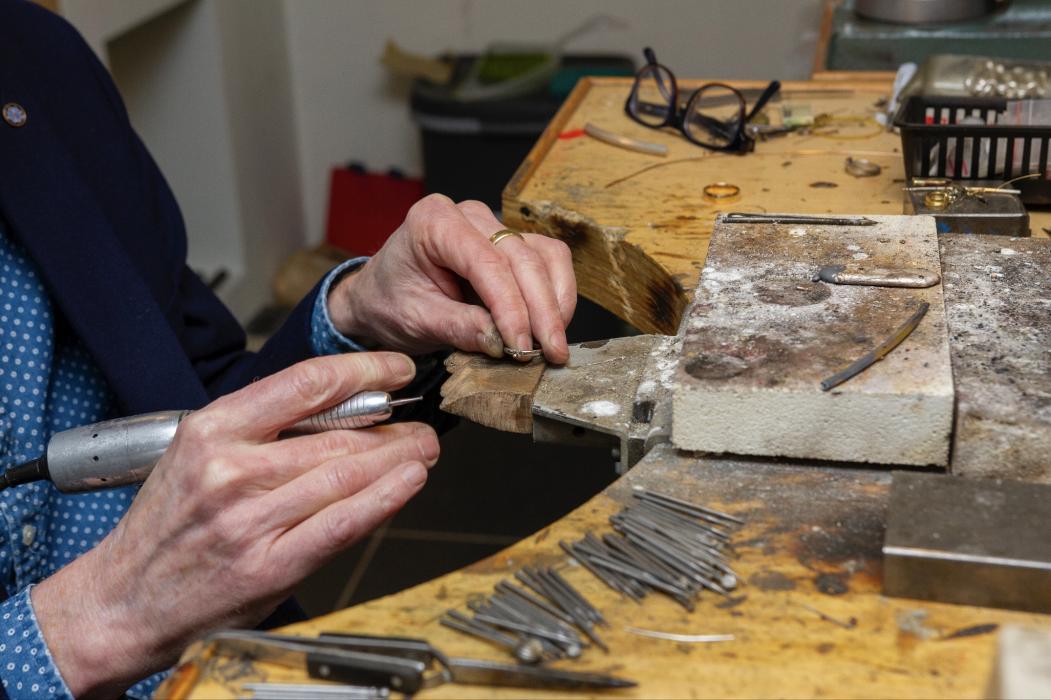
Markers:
point(82, 194)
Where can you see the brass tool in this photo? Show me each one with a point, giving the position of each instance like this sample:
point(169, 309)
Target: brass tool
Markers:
point(870, 358)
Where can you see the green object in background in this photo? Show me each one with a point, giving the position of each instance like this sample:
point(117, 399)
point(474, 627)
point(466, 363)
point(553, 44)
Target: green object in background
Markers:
point(1022, 30)
point(494, 67)
point(563, 82)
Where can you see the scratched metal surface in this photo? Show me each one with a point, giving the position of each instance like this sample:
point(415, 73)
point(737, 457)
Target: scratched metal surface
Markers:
point(596, 388)
point(998, 304)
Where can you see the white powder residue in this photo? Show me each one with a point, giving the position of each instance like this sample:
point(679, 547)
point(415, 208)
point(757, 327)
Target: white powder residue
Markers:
point(1008, 251)
point(860, 256)
point(797, 232)
point(853, 246)
point(600, 408)
point(667, 358)
point(722, 275)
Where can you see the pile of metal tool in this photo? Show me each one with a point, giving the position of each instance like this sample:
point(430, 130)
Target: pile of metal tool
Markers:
point(663, 544)
point(537, 622)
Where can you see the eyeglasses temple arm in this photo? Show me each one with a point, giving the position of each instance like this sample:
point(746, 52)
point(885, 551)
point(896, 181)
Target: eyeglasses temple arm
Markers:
point(651, 57)
point(769, 92)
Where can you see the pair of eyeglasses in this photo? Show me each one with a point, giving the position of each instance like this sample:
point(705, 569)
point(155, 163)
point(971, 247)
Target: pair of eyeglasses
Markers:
point(713, 117)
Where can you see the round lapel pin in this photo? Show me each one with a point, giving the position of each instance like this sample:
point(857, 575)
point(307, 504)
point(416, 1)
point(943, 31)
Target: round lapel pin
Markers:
point(14, 114)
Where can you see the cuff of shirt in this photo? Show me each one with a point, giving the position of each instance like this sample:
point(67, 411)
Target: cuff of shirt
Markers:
point(26, 667)
point(324, 338)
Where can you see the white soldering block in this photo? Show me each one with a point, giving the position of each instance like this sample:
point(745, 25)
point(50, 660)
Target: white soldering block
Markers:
point(761, 335)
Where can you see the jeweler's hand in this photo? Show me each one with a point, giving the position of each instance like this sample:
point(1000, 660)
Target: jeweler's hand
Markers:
point(439, 282)
point(231, 520)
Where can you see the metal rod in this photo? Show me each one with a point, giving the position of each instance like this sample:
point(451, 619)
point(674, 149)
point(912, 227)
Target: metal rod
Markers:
point(530, 630)
point(611, 581)
point(688, 638)
point(401, 402)
point(641, 492)
point(592, 610)
point(550, 648)
point(678, 594)
point(745, 218)
point(539, 616)
point(572, 644)
point(506, 587)
point(526, 649)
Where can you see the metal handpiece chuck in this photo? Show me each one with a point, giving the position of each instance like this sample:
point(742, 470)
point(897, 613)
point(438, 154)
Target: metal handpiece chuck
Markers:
point(361, 410)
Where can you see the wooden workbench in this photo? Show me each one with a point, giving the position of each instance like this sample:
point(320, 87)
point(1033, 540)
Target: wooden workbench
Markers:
point(809, 619)
point(639, 225)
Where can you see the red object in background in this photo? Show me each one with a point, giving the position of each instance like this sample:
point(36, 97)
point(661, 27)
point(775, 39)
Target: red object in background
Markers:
point(365, 208)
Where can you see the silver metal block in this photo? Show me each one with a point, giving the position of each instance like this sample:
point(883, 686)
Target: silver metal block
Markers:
point(984, 542)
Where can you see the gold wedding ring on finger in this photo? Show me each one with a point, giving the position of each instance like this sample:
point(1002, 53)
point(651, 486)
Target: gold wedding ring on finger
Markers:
point(505, 233)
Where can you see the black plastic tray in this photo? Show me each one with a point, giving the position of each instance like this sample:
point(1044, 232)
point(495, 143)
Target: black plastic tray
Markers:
point(973, 151)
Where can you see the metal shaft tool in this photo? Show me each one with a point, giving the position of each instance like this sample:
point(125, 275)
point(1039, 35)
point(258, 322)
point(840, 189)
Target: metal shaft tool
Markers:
point(748, 218)
point(125, 450)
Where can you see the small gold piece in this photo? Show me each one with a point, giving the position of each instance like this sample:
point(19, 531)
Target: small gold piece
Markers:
point(522, 354)
point(504, 233)
point(937, 199)
point(862, 167)
point(721, 190)
point(14, 114)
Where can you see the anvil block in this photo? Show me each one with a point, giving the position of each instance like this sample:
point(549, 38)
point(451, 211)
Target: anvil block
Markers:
point(761, 335)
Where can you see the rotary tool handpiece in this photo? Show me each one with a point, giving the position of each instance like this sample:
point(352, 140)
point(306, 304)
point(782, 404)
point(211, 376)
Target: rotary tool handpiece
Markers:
point(125, 450)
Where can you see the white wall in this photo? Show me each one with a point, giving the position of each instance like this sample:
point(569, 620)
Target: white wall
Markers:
point(168, 73)
point(246, 104)
point(347, 107)
point(207, 85)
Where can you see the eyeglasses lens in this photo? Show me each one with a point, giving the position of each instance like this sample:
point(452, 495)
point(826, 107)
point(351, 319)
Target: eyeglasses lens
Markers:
point(713, 116)
point(654, 95)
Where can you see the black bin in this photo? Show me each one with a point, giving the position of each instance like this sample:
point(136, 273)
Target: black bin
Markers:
point(984, 152)
point(471, 149)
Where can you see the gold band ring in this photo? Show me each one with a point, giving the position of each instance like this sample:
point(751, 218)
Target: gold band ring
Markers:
point(504, 233)
point(721, 190)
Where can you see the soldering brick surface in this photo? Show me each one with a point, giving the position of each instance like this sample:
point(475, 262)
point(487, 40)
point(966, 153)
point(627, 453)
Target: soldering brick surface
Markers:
point(761, 335)
point(998, 305)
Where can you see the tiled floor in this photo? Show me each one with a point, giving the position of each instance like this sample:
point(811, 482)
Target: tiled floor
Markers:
point(488, 490)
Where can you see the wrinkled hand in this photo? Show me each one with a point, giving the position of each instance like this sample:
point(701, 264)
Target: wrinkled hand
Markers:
point(421, 291)
point(231, 520)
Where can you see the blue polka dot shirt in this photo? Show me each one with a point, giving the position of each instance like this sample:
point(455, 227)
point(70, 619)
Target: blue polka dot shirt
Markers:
point(48, 383)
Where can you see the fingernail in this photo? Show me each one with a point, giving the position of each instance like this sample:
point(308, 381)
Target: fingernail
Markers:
point(428, 443)
point(410, 366)
point(491, 342)
point(414, 474)
point(557, 341)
